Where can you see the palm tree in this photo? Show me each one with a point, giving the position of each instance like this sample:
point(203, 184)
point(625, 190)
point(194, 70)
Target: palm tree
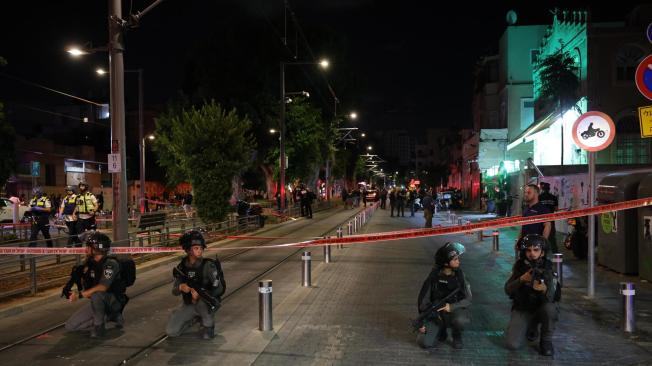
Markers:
point(560, 84)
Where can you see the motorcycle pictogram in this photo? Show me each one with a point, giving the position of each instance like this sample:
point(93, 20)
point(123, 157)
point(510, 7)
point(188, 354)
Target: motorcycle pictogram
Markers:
point(590, 132)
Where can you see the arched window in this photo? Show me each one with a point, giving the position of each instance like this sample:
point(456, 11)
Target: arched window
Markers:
point(627, 58)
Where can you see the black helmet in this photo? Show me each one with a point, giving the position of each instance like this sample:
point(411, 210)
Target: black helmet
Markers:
point(190, 238)
point(532, 240)
point(449, 251)
point(99, 241)
point(37, 191)
point(70, 189)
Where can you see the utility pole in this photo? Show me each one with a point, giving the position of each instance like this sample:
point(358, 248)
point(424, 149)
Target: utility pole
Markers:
point(282, 138)
point(117, 115)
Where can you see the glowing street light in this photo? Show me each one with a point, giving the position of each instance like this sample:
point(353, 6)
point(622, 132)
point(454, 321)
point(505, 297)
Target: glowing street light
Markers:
point(151, 137)
point(272, 130)
point(100, 71)
point(353, 115)
point(76, 51)
point(370, 148)
point(363, 135)
point(324, 63)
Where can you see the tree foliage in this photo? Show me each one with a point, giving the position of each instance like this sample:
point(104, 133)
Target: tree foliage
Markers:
point(559, 80)
point(7, 149)
point(207, 147)
point(306, 141)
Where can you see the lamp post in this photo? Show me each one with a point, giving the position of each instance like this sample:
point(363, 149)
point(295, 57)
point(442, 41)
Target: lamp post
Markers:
point(324, 64)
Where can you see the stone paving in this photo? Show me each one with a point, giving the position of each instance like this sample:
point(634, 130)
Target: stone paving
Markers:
point(361, 305)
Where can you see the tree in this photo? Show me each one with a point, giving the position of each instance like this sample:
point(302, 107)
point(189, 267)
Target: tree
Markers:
point(305, 141)
point(7, 149)
point(559, 81)
point(207, 147)
point(560, 84)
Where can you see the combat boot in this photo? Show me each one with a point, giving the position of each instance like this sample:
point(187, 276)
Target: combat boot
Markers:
point(457, 340)
point(209, 333)
point(442, 334)
point(97, 331)
point(546, 349)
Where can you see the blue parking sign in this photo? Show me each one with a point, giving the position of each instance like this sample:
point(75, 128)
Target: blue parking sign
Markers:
point(36, 169)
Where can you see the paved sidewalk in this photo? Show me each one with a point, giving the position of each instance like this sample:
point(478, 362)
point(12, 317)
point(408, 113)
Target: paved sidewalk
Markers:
point(360, 306)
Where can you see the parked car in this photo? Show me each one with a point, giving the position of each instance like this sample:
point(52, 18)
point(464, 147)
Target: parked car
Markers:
point(372, 195)
point(7, 210)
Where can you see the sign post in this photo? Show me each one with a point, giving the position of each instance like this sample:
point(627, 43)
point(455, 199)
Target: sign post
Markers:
point(593, 131)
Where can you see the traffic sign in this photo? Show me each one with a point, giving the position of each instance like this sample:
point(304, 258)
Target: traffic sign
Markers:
point(643, 77)
point(645, 117)
point(593, 131)
point(114, 163)
point(35, 169)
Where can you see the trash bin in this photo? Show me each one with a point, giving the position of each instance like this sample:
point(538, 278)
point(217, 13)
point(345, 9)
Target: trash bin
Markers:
point(645, 230)
point(618, 230)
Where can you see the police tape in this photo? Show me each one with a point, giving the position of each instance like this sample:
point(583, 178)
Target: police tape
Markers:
point(366, 238)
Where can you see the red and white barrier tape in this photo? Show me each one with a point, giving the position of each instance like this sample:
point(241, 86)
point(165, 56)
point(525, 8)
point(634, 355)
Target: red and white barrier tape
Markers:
point(366, 238)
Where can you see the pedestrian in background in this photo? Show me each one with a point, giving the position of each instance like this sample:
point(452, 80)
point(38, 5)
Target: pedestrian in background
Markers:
point(428, 204)
point(549, 200)
point(40, 208)
point(67, 213)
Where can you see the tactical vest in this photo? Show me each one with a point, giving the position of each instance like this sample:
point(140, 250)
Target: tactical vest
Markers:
point(94, 274)
point(526, 298)
point(85, 203)
point(69, 204)
point(443, 285)
point(39, 202)
point(196, 275)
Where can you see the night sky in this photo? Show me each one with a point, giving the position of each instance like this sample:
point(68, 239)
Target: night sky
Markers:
point(411, 61)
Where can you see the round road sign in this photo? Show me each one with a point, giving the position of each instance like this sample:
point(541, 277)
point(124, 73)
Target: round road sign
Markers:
point(644, 77)
point(593, 131)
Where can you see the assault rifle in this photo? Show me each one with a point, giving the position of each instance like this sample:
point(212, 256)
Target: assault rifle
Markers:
point(212, 302)
point(432, 311)
point(75, 278)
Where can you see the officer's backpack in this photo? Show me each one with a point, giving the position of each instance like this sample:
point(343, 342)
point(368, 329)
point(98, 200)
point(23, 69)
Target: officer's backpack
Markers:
point(127, 270)
point(220, 274)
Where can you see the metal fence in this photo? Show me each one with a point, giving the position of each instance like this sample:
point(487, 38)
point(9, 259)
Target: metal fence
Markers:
point(30, 273)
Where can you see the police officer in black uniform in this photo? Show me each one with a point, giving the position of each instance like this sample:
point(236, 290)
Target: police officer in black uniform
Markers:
point(103, 285)
point(193, 273)
point(40, 208)
point(548, 199)
point(534, 289)
point(445, 278)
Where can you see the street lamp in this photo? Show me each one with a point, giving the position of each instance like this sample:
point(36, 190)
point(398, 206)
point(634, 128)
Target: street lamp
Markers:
point(363, 135)
point(353, 115)
point(272, 131)
point(323, 64)
point(370, 148)
point(100, 71)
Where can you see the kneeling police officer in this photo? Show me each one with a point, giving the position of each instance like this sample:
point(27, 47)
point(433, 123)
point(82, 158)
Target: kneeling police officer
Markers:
point(200, 282)
point(444, 299)
point(535, 290)
point(100, 280)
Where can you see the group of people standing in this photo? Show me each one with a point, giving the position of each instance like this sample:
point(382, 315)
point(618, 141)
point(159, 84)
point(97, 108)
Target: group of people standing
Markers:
point(77, 209)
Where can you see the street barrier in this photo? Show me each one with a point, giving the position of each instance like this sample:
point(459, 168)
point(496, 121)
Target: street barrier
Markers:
point(628, 290)
point(265, 321)
point(327, 252)
point(496, 241)
point(558, 260)
point(305, 270)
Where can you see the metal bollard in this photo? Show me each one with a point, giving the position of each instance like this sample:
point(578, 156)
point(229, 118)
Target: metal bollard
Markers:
point(350, 228)
point(558, 259)
point(453, 217)
point(364, 217)
point(305, 270)
point(327, 251)
point(496, 240)
point(435, 210)
point(265, 322)
point(460, 221)
point(355, 224)
point(480, 235)
point(628, 290)
point(340, 234)
point(449, 215)
point(32, 270)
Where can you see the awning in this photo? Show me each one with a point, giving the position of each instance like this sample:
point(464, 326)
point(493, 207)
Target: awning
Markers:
point(535, 127)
